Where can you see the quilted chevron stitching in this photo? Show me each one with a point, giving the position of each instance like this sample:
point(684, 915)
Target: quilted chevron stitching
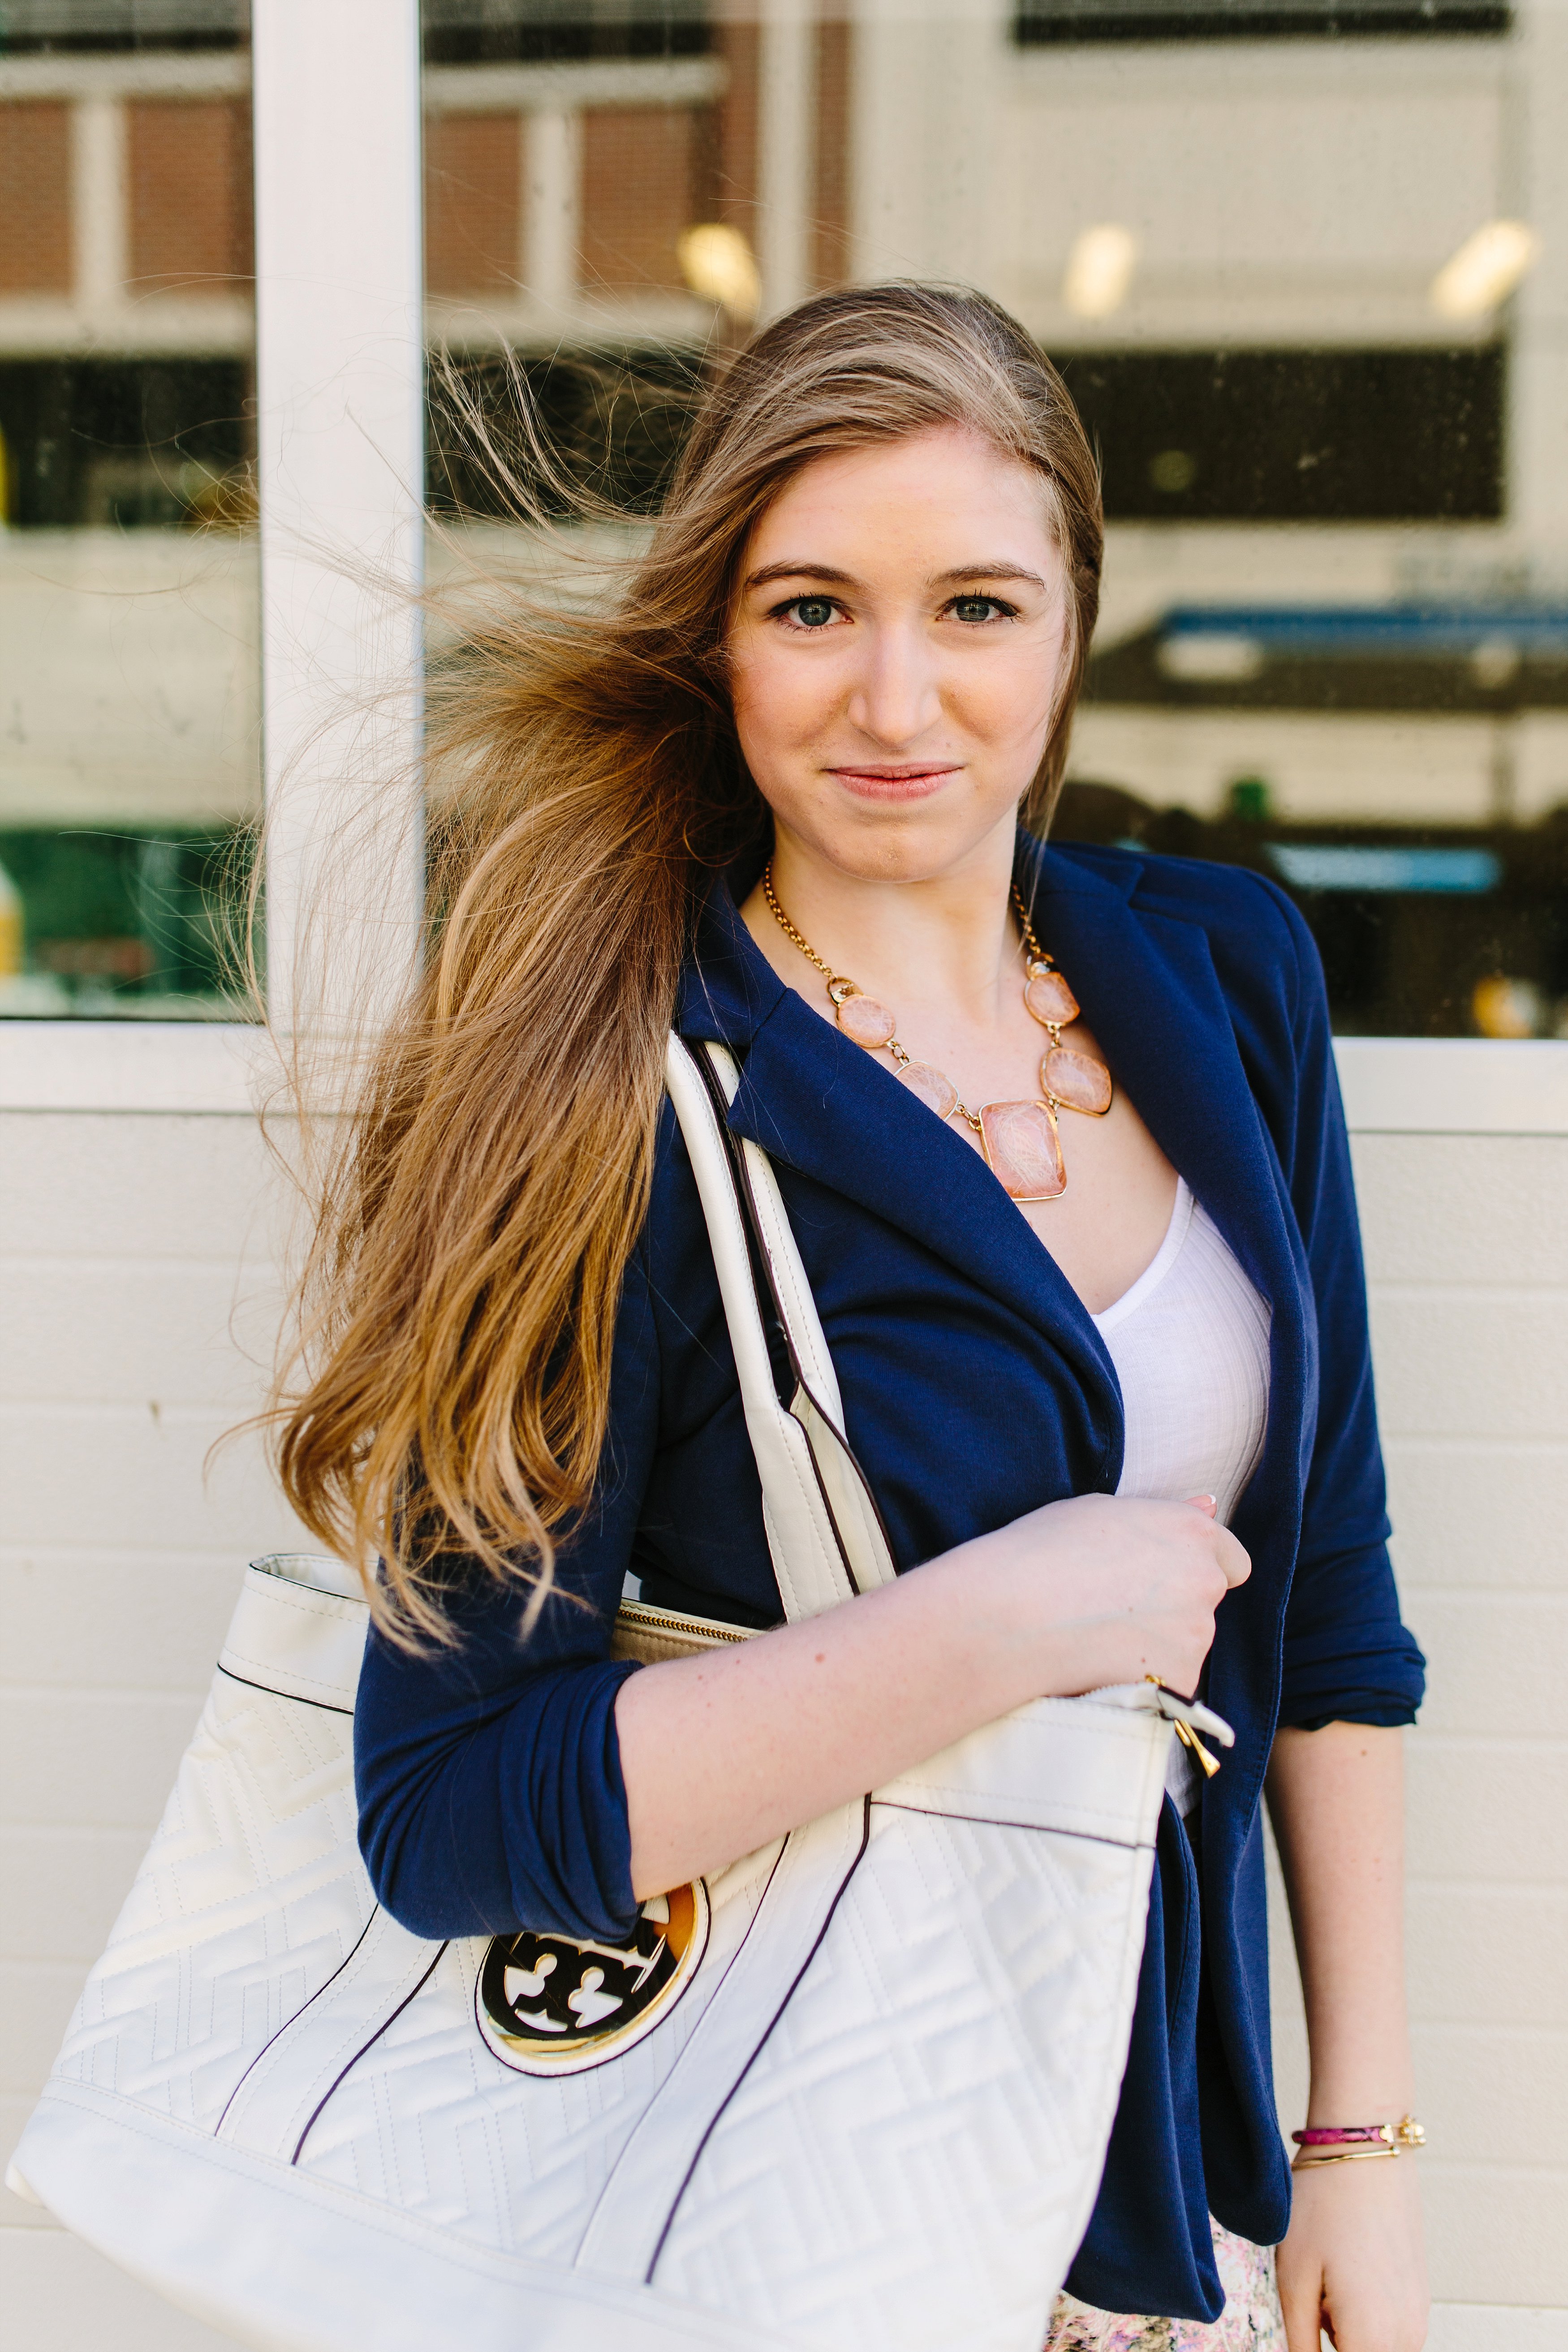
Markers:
point(842, 2269)
point(719, 2111)
point(292, 2019)
point(318, 2110)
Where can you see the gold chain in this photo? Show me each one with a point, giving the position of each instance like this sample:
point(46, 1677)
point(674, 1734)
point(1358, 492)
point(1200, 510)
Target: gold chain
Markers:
point(838, 986)
point(1032, 946)
point(788, 929)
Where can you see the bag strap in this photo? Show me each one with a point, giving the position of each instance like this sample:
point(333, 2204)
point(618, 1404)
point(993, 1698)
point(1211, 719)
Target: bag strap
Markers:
point(825, 1533)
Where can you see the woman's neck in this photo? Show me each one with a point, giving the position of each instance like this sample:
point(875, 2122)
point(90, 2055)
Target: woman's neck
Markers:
point(949, 938)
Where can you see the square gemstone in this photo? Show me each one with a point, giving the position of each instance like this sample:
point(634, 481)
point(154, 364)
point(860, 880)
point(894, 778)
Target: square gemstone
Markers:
point(1024, 1150)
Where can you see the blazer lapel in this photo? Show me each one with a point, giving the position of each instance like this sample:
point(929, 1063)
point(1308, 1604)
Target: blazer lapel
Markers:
point(819, 1104)
point(1150, 993)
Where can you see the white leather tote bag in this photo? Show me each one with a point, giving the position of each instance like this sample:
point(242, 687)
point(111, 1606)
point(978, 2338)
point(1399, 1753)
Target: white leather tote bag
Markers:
point(852, 2095)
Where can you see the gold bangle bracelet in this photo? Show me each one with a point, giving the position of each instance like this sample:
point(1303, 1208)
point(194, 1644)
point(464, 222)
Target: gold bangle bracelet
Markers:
point(1347, 2156)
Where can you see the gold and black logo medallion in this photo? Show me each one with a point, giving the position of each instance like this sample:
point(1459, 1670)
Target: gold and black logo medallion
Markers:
point(551, 2005)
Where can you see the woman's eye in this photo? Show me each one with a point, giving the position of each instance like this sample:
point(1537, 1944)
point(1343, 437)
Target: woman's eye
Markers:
point(812, 611)
point(977, 608)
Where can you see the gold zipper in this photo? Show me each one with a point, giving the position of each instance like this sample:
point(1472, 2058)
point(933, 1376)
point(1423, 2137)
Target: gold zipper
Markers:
point(664, 1621)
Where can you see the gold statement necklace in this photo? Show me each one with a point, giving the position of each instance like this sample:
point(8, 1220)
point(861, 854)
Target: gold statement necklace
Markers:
point(1021, 1141)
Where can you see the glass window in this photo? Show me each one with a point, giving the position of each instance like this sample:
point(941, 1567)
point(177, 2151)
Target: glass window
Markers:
point(129, 623)
point(1305, 266)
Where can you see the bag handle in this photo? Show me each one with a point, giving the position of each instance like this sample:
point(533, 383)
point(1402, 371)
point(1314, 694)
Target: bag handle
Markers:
point(825, 1533)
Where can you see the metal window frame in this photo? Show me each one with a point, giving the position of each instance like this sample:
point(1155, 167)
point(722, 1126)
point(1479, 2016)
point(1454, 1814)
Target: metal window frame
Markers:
point(339, 333)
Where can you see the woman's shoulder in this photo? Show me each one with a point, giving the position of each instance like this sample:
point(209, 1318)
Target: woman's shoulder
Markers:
point(1200, 889)
point(1262, 949)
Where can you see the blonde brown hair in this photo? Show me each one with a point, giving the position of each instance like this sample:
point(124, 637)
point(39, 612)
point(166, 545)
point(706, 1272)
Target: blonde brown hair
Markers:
point(470, 1244)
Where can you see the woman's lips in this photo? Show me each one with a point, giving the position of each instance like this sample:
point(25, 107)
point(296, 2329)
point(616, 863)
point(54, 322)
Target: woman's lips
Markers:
point(894, 783)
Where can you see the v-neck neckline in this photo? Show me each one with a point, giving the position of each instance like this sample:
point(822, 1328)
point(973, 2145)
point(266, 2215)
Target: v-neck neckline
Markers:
point(1158, 1267)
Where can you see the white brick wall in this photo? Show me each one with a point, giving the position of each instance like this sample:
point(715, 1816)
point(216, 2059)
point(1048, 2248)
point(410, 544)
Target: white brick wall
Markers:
point(137, 1256)
point(136, 1300)
point(1467, 1243)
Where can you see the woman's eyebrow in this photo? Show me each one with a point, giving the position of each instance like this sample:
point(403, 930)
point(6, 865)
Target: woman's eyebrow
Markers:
point(792, 571)
point(986, 572)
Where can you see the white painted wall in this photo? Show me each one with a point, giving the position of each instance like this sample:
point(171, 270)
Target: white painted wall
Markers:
point(1466, 1240)
point(139, 1295)
point(136, 1305)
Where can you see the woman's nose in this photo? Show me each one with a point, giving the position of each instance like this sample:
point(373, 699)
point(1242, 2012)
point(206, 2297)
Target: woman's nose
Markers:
point(896, 695)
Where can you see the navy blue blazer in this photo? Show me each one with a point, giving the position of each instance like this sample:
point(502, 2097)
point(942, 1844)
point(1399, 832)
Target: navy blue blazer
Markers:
point(975, 1388)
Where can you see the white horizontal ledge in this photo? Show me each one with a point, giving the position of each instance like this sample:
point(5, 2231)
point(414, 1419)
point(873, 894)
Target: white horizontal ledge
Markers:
point(1401, 1085)
point(1454, 1086)
point(172, 1066)
point(598, 81)
point(157, 73)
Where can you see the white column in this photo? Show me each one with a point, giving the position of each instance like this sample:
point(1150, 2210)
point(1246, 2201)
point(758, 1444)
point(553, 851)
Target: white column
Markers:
point(340, 343)
point(785, 164)
point(552, 214)
point(1538, 358)
point(885, 139)
point(99, 205)
point(927, 81)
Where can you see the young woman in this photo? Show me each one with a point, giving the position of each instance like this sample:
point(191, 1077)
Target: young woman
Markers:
point(1103, 1356)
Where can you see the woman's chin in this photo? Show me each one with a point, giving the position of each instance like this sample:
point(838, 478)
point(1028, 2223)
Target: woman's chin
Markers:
point(907, 840)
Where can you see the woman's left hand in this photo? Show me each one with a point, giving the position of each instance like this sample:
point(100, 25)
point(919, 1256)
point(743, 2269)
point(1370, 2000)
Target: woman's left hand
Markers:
point(1353, 2262)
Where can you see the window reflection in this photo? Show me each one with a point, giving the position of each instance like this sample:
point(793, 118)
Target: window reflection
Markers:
point(1298, 263)
point(127, 592)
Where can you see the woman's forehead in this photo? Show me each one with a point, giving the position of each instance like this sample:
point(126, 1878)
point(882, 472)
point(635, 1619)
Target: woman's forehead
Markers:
point(948, 497)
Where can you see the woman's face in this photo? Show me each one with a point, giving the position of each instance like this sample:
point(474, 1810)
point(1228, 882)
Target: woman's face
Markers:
point(898, 634)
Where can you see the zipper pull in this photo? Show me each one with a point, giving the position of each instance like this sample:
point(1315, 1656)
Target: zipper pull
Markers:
point(1180, 1713)
point(1190, 1740)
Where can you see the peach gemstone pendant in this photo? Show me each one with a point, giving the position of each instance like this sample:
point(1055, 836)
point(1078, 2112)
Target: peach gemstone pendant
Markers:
point(866, 1022)
point(1023, 1150)
point(1049, 999)
point(930, 1085)
point(1076, 1080)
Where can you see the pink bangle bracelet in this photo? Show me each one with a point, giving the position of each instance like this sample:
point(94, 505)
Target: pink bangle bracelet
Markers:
point(1406, 2133)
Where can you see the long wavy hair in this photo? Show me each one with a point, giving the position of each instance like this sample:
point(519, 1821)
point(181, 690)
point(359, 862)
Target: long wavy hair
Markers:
point(449, 1389)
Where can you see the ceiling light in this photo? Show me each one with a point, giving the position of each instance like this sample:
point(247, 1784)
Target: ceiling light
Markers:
point(1099, 270)
point(1485, 270)
point(717, 263)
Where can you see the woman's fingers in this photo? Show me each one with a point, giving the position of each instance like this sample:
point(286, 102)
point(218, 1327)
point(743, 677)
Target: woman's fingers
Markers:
point(1204, 1503)
point(1235, 1562)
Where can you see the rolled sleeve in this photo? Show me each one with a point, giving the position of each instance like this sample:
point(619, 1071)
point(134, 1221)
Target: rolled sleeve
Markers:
point(1348, 1656)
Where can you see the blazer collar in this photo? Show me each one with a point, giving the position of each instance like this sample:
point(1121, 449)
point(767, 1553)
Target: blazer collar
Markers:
point(1147, 982)
point(1149, 990)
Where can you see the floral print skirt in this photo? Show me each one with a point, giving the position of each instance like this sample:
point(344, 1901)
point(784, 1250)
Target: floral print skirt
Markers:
point(1250, 2321)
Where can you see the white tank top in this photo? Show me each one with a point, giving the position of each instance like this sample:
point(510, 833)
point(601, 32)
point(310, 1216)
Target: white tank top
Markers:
point(1190, 1344)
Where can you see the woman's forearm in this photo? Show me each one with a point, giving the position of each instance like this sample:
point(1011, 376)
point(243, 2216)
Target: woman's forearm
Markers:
point(723, 1752)
point(1337, 1800)
point(1352, 2261)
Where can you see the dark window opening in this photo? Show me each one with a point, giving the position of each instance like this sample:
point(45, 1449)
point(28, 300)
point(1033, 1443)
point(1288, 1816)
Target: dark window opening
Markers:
point(127, 444)
point(1295, 436)
point(496, 32)
point(29, 26)
point(613, 423)
point(1038, 22)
